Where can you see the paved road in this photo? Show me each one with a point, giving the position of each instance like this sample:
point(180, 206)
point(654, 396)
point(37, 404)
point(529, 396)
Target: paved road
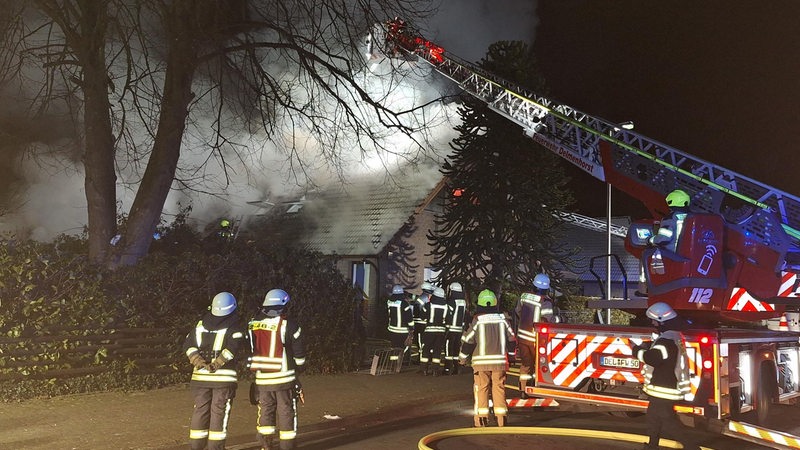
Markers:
point(404, 431)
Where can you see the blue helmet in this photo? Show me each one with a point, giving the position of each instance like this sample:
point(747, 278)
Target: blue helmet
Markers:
point(542, 281)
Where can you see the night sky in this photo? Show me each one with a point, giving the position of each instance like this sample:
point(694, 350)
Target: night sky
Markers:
point(716, 79)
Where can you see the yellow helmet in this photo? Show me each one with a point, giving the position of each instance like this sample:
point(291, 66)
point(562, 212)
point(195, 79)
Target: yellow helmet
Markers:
point(678, 199)
point(487, 298)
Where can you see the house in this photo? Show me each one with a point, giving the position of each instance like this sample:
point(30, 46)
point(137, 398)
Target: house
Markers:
point(377, 228)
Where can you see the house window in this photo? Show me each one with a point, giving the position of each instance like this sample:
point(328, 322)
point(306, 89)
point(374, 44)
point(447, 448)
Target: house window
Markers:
point(361, 275)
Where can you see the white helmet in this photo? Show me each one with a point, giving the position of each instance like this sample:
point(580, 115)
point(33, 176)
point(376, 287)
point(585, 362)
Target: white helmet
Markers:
point(456, 287)
point(276, 298)
point(427, 287)
point(223, 304)
point(541, 281)
point(438, 292)
point(661, 312)
point(398, 290)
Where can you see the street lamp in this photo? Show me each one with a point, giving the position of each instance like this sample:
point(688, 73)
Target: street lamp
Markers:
point(627, 125)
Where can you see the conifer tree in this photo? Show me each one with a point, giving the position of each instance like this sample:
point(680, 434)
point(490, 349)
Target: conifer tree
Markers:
point(498, 227)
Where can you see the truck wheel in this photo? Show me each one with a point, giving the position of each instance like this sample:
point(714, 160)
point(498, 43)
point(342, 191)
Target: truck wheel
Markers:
point(764, 393)
point(736, 403)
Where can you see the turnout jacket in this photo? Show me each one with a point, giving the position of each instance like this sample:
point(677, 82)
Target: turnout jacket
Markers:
point(489, 339)
point(215, 336)
point(666, 374)
point(401, 315)
point(456, 312)
point(435, 313)
point(278, 350)
point(525, 316)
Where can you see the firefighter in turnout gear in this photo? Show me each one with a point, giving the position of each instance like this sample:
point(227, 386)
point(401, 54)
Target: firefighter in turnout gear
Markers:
point(670, 228)
point(526, 313)
point(419, 317)
point(488, 340)
point(401, 321)
point(666, 376)
point(278, 356)
point(456, 312)
point(435, 312)
point(213, 348)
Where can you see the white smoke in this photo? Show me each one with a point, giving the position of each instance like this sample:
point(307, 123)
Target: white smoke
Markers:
point(55, 203)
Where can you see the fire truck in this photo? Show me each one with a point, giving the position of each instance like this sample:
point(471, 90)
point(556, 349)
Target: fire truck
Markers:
point(733, 265)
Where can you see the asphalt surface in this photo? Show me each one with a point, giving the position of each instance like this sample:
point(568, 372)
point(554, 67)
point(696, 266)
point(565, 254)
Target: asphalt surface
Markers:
point(348, 411)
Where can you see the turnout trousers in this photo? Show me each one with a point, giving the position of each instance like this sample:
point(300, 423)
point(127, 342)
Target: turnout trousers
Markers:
point(209, 425)
point(277, 415)
point(662, 420)
point(484, 383)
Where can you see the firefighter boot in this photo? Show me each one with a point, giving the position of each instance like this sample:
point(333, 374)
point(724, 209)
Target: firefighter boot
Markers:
point(501, 421)
point(481, 422)
point(523, 394)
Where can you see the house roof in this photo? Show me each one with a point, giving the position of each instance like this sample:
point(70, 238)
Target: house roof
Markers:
point(361, 217)
point(592, 244)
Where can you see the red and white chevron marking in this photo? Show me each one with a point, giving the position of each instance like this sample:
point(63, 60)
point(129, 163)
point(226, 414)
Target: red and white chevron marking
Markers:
point(531, 402)
point(575, 358)
point(742, 301)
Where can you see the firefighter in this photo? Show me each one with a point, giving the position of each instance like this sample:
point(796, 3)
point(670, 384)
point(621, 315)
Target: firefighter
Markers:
point(488, 341)
point(456, 311)
point(670, 228)
point(666, 376)
point(278, 357)
point(527, 312)
point(213, 348)
point(435, 313)
point(401, 321)
point(225, 231)
point(419, 318)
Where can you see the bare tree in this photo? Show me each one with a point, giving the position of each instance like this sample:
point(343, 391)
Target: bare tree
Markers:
point(127, 68)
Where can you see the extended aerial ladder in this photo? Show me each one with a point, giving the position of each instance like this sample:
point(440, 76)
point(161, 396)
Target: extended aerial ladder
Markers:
point(762, 223)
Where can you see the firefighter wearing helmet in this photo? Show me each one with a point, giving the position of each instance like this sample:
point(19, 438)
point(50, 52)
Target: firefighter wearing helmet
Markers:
point(435, 313)
point(666, 376)
point(278, 356)
point(488, 342)
point(456, 315)
point(670, 227)
point(401, 321)
point(213, 347)
point(526, 313)
point(419, 316)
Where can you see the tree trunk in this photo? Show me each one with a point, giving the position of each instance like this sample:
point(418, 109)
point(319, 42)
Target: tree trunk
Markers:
point(98, 158)
point(160, 172)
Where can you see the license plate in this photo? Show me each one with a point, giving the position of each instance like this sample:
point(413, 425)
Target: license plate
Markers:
point(624, 363)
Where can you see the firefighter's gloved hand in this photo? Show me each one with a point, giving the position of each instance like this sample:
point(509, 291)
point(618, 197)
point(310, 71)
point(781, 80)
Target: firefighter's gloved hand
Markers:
point(217, 363)
point(462, 361)
point(198, 362)
point(298, 392)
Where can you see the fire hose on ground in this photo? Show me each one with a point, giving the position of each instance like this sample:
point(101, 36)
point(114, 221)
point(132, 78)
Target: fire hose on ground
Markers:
point(571, 432)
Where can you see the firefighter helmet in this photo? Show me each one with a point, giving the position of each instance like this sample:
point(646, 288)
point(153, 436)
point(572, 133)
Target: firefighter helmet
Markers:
point(456, 287)
point(276, 298)
point(427, 287)
point(661, 312)
point(224, 223)
point(438, 292)
point(398, 290)
point(678, 199)
point(541, 281)
point(487, 298)
point(223, 304)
